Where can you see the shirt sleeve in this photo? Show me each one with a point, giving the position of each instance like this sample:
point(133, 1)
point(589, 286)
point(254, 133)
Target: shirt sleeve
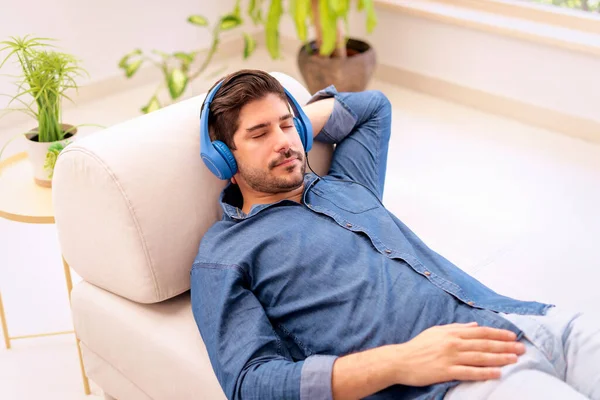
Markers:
point(247, 356)
point(360, 127)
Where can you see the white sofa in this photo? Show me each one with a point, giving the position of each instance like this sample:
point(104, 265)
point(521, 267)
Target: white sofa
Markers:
point(132, 203)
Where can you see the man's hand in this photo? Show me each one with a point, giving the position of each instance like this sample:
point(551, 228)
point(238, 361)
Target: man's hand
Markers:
point(456, 352)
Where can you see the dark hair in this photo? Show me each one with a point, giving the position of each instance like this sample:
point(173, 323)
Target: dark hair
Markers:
point(238, 89)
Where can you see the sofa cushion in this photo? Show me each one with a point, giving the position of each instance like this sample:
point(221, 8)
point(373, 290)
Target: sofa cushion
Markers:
point(155, 346)
point(133, 201)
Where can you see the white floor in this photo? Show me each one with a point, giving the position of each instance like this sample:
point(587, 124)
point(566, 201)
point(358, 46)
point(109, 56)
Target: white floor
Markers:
point(515, 205)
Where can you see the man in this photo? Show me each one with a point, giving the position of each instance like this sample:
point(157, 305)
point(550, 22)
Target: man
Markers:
point(308, 288)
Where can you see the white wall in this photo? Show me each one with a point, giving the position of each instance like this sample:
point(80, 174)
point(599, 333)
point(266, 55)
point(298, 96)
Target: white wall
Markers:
point(101, 32)
point(533, 73)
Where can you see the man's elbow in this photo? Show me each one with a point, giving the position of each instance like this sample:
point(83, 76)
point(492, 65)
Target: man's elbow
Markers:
point(384, 106)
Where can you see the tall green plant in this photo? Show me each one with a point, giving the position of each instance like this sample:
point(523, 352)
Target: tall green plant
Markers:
point(45, 77)
point(329, 19)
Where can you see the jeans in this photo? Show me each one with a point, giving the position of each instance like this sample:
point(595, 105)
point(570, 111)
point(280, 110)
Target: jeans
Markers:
point(562, 361)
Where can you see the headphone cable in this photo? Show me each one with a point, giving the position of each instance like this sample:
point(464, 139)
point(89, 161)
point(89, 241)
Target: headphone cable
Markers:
point(342, 180)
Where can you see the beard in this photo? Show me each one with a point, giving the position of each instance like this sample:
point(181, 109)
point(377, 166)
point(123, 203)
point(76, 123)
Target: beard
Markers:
point(265, 182)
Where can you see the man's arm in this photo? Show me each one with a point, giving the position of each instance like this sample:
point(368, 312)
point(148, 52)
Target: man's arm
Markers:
point(247, 356)
point(463, 352)
point(359, 123)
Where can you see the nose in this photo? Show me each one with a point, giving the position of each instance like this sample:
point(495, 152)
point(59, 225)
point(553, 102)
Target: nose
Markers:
point(283, 140)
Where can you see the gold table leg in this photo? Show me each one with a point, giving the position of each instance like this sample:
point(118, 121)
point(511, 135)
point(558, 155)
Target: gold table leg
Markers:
point(7, 338)
point(68, 278)
point(86, 382)
point(4, 326)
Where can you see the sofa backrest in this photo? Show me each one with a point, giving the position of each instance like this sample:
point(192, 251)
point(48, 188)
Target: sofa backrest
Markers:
point(133, 201)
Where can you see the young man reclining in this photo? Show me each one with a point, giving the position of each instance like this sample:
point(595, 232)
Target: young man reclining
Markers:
point(309, 288)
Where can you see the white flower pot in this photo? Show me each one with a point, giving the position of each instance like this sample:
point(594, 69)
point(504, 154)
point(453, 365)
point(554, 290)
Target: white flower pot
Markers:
point(37, 152)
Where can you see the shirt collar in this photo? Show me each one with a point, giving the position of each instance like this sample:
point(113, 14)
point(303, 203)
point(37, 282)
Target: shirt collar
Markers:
point(231, 199)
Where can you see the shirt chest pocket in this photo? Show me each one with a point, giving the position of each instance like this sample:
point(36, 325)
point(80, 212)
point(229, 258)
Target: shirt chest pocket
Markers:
point(347, 196)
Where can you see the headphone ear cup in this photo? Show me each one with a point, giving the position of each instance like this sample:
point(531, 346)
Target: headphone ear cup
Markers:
point(224, 151)
point(301, 131)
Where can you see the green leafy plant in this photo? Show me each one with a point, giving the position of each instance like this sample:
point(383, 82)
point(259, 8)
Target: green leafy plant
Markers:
point(46, 76)
point(177, 68)
point(45, 79)
point(329, 19)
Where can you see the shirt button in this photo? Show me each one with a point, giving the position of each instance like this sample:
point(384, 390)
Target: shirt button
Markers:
point(427, 273)
point(349, 225)
point(471, 303)
point(388, 251)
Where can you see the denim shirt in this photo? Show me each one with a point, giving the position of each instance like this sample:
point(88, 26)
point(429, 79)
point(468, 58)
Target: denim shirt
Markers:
point(279, 293)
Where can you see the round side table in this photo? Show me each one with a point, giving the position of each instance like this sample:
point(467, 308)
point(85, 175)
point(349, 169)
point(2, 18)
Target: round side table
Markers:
point(22, 200)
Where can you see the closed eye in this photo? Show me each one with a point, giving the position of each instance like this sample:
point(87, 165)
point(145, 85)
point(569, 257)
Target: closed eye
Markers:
point(287, 127)
point(258, 136)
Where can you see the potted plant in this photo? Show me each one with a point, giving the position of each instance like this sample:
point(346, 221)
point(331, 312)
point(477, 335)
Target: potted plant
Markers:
point(332, 57)
point(45, 76)
point(180, 68)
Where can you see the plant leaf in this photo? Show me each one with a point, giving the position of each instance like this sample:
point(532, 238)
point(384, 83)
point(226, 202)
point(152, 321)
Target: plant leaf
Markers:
point(345, 8)
point(197, 20)
point(23, 110)
point(177, 82)
point(360, 5)
point(236, 10)
point(126, 57)
point(162, 54)
point(255, 11)
point(249, 45)
point(8, 142)
point(272, 28)
point(336, 6)
point(251, 9)
point(132, 68)
point(371, 17)
point(17, 97)
point(186, 59)
point(328, 28)
point(229, 22)
point(152, 105)
point(301, 8)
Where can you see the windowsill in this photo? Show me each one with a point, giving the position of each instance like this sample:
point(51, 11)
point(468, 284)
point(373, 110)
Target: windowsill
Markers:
point(535, 12)
point(519, 28)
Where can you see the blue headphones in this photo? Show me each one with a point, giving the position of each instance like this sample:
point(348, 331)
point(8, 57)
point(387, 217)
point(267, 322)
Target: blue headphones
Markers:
point(217, 156)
